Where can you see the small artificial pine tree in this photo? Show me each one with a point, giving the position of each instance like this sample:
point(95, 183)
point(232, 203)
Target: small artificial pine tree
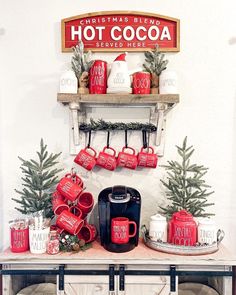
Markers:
point(80, 61)
point(154, 61)
point(185, 187)
point(39, 180)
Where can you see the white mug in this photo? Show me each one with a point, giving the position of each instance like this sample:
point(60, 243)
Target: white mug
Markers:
point(38, 239)
point(168, 83)
point(158, 228)
point(207, 232)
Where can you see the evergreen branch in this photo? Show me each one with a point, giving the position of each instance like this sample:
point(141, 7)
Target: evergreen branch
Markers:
point(101, 125)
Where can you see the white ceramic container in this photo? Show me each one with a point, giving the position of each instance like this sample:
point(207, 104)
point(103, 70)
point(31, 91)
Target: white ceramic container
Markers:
point(158, 228)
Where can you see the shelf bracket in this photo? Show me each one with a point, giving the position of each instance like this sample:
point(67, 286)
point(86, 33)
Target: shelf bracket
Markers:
point(158, 118)
point(74, 127)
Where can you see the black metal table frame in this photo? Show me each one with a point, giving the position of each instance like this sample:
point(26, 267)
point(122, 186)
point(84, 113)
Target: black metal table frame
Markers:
point(121, 272)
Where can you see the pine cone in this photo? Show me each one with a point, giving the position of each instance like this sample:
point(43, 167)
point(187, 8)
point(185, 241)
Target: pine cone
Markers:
point(81, 243)
point(76, 247)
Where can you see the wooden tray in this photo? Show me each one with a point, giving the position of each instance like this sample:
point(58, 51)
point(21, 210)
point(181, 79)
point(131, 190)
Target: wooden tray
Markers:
point(182, 250)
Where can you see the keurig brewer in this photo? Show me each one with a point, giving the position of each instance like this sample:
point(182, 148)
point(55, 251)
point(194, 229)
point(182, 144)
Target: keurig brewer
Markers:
point(119, 217)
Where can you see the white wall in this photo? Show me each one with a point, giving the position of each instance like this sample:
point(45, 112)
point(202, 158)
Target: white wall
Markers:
point(31, 63)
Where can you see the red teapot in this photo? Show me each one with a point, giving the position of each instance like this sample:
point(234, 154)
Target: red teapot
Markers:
point(182, 229)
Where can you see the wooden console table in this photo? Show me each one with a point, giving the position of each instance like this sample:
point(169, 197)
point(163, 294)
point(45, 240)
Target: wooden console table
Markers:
point(103, 272)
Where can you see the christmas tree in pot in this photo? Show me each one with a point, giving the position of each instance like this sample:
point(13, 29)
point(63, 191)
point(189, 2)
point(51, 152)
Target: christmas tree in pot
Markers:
point(186, 188)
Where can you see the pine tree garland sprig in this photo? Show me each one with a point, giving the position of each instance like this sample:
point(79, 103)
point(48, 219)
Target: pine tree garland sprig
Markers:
point(38, 182)
point(185, 187)
point(101, 125)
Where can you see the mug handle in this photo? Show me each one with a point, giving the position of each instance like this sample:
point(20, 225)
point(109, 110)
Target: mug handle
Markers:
point(130, 148)
point(135, 229)
point(148, 148)
point(75, 178)
point(89, 148)
point(110, 148)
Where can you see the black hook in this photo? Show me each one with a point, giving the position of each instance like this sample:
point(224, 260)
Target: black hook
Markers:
point(126, 140)
point(89, 139)
point(148, 139)
point(108, 138)
point(144, 138)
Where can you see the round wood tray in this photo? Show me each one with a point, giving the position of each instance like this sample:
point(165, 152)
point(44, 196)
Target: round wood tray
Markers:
point(182, 250)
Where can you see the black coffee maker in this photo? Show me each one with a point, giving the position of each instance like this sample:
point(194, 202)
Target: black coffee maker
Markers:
point(118, 201)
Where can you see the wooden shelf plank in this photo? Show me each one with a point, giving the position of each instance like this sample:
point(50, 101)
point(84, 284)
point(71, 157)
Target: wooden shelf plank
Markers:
point(117, 98)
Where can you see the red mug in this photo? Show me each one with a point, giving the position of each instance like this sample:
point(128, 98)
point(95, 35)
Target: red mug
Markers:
point(85, 202)
point(85, 159)
point(126, 159)
point(19, 240)
point(78, 212)
point(88, 233)
point(69, 222)
point(106, 160)
point(68, 189)
point(98, 77)
point(141, 83)
point(58, 204)
point(146, 159)
point(120, 230)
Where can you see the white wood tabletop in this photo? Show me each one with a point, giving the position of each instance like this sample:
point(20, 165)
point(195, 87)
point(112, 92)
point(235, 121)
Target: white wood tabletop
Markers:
point(140, 255)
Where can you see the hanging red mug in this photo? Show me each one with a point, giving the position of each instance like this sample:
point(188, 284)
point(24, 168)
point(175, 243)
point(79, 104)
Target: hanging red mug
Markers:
point(127, 160)
point(107, 160)
point(86, 159)
point(147, 159)
point(98, 77)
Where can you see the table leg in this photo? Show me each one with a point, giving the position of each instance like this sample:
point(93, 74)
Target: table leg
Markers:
point(234, 280)
point(0, 280)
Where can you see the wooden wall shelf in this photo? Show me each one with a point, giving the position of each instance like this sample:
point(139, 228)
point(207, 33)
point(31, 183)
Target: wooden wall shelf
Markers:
point(67, 98)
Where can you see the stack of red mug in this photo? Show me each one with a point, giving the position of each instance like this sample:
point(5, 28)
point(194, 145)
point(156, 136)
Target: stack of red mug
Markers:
point(107, 159)
point(72, 204)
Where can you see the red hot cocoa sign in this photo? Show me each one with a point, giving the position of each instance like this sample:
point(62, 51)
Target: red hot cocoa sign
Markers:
point(121, 31)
